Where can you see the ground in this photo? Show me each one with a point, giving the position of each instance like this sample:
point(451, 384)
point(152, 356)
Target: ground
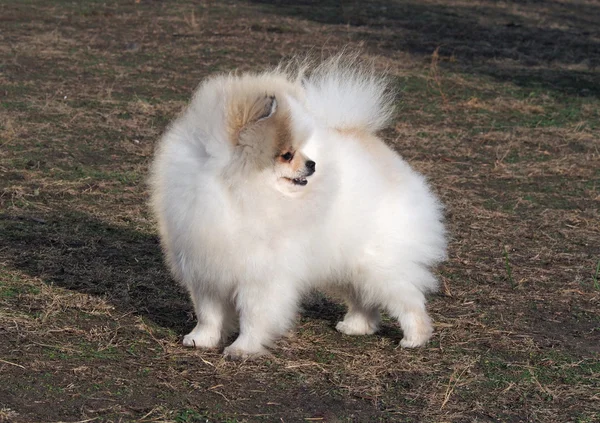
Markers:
point(499, 107)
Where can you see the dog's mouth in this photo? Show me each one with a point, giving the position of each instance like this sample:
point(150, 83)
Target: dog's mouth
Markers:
point(298, 181)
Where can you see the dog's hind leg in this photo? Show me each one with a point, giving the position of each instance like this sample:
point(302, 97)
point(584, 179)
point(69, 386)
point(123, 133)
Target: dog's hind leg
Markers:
point(395, 288)
point(362, 317)
point(407, 304)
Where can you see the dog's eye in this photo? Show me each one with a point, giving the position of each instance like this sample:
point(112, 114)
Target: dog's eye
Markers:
point(287, 156)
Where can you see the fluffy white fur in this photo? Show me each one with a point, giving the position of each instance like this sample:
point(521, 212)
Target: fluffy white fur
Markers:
point(247, 243)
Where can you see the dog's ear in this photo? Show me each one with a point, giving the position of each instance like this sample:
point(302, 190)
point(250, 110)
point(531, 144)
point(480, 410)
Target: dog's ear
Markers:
point(248, 112)
point(266, 107)
point(257, 110)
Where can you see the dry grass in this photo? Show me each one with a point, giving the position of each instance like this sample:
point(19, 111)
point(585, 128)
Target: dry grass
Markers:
point(505, 129)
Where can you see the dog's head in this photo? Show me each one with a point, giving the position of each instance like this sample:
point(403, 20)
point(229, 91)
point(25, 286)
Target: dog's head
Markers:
point(268, 129)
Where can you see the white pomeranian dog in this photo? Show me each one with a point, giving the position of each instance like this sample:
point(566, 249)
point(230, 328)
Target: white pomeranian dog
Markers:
point(269, 185)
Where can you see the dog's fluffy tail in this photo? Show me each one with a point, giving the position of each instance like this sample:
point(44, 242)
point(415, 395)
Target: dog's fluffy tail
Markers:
point(346, 93)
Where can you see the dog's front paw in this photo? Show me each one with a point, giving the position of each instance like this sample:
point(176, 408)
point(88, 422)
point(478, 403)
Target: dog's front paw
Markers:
point(238, 354)
point(202, 338)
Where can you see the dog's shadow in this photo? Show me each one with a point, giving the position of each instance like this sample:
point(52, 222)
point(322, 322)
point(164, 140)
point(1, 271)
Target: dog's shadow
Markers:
point(79, 252)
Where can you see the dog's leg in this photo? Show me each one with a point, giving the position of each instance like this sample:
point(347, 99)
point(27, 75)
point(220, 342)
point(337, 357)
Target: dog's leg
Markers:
point(266, 312)
point(214, 320)
point(407, 304)
point(362, 318)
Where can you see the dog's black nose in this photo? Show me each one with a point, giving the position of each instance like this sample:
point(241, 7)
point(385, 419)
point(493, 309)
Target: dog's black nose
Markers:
point(310, 165)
